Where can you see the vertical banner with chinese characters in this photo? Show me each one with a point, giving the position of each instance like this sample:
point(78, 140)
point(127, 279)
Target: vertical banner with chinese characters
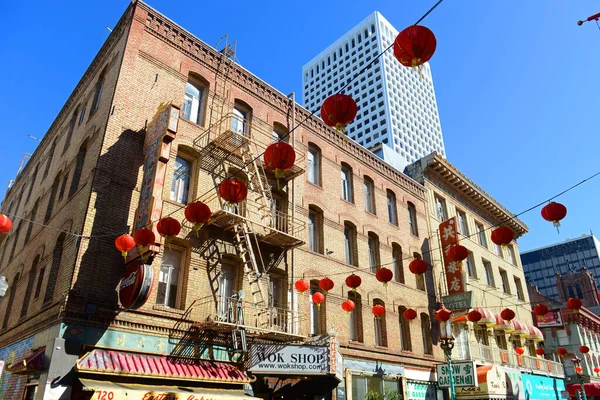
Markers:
point(160, 132)
point(454, 273)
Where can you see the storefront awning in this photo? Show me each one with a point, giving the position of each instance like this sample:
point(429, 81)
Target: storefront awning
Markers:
point(534, 334)
point(130, 364)
point(492, 384)
point(29, 363)
point(130, 391)
point(488, 318)
point(591, 389)
point(521, 328)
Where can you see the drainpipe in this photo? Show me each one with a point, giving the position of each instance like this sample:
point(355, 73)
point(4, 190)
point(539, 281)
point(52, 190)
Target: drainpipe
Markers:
point(292, 138)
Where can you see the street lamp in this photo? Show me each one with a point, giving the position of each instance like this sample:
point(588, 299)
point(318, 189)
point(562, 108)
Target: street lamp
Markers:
point(579, 371)
point(447, 342)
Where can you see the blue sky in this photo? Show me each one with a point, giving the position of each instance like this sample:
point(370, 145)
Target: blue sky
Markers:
point(517, 82)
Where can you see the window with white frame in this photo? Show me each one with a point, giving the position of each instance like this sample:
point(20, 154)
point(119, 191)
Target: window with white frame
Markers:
point(489, 274)
point(463, 226)
point(313, 171)
point(481, 235)
point(519, 286)
point(391, 205)
point(440, 208)
point(193, 107)
point(182, 177)
point(471, 265)
point(369, 188)
point(505, 283)
point(350, 243)
point(315, 229)
point(169, 278)
point(346, 178)
point(412, 219)
point(374, 256)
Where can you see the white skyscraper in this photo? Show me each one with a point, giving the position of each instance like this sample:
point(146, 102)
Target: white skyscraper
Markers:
point(397, 112)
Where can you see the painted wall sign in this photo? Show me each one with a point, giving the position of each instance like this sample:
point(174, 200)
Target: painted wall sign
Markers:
point(459, 301)
point(551, 318)
point(463, 374)
point(454, 273)
point(285, 360)
point(136, 284)
point(542, 387)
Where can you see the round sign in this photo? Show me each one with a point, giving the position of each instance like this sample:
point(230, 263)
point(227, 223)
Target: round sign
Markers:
point(135, 286)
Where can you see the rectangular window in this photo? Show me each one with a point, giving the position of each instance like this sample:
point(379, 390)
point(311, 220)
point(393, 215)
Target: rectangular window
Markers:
point(38, 287)
point(168, 278)
point(391, 205)
point(347, 184)
point(463, 226)
point(420, 281)
point(191, 103)
point(182, 177)
point(489, 274)
point(440, 208)
point(481, 235)
point(471, 266)
point(412, 219)
point(373, 243)
point(315, 230)
point(82, 115)
point(426, 334)
point(313, 173)
point(519, 287)
point(350, 244)
point(227, 288)
point(511, 255)
point(501, 341)
point(498, 250)
point(505, 284)
point(369, 188)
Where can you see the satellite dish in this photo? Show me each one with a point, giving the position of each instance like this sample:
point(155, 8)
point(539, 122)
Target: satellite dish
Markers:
point(241, 294)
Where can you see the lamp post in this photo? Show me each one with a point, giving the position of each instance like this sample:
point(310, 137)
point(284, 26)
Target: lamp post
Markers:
point(447, 343)
point(579, 371)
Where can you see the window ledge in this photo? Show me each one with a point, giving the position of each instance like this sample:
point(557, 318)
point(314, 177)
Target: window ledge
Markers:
point(370, 213)
point(167, 309)
point(415, 236)
point(394, 225)
point(314, 185)
point(356, 344)
point(379, 347)
point(202, 126)
point(347, 201)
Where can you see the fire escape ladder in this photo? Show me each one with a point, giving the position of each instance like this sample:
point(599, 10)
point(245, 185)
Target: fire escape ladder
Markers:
point(259, 185)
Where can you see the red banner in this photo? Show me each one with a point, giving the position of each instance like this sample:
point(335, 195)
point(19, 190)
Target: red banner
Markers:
point(454, 272)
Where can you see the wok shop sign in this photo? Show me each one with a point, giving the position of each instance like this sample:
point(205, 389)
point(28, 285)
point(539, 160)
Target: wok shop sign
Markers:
point(291, 359)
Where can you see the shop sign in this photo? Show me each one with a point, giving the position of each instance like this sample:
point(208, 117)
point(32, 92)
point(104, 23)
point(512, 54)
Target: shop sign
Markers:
point(158, 395)
point(541, 387)
point(463, 374)
point(291, 359)
point(459, 301)
point(419, 391)
point(454, 272)
point(135, 286)
point(551, 318)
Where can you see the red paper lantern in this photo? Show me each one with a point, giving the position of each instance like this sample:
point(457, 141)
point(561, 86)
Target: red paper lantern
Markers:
point(561, 351)
point(378, 310)
point(540, 310)
point(414, 46)
point(326, 285)
point(584, 349)
point(124, 244)
point(540, 351)
point(353, 281)
point(144, 238)
point(579, 370)
point(198, 214)
point(554, 212)
point(474, 316)
point(443, 314)
point(339, 110)
point(409, 314)
point(502, 236)
point(5, 223)
point(318, 298)
point(384, 275)
point(574, 304)
point(168, 228)
point(507, 314)
point(348, 306)
point(233, 191)
point(520, 351)
point(279, 157)
point(302, 285)
point(458, 253)
point(417, 266)
point(596, 370)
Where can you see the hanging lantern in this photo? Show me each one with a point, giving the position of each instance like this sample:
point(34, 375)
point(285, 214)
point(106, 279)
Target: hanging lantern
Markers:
point(457, 254)
point(597, 370)
point(144, 238)
point(168, 228)
point(417, 266)
point(584, 349)
point(198, 214)
point(326, 285)
point(507, 314)
point(318, 298)
point(574, 304)
point(540, 310)
point(554, 212)
point(502, 236)
point(384, 275)
point(409, 314)
point(520, 351)
point(540, 351)
point(302, 286)
point(378, 310)
point(443, 314)
point(414, 46)
point(124, 244)
point(561, 351)
point(5, 223)
point(579, 370)
point(339, 110)
point(474, 316)
point(279, 157)
point(348, 306)
point(353, 281)
point(233, 191)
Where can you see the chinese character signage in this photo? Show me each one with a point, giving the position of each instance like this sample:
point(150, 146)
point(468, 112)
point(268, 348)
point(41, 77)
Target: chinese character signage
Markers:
point(551, 318)
point(463, 374)
point(454, 273)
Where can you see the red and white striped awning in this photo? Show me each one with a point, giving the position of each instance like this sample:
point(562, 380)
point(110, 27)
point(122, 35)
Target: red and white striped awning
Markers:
point(503, 325)
point(521, 328)
point(534, 334)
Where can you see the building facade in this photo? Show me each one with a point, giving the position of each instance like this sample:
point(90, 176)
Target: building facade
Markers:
point(493, 277)
point(159, 120)
point(544, 264)
point(397, 106)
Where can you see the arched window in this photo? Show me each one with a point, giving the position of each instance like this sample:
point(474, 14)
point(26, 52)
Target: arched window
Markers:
point(350, 243)
point(182, 179)
point(315, 229)
point(194, 100)
point(15, 241)
point(374, 256)
point(52, 198)
point(313, 170)
point(380, 326)
point(54, 267)
point(356, 320)
point(391, 205)
point(579, 291)
point(280, 133)
point(347, 185)
point(30, 282)
point(420, 278)
point(242, 118)
point(426, 334)
point(50, 156)
point(571, 291)
point(32, 182)
point(170, 278)
point(79, 162)
point(71, 129)
point(32, 217)
point(369, 188)
point(398, 263)
point(98, 92)
point(412, 219)
point(11, 298)
point(318, 319)
point(406, 344)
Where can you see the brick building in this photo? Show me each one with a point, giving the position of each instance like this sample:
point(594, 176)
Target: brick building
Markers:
point(228, 288)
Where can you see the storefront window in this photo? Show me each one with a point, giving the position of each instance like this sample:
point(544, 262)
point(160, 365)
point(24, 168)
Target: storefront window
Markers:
point(374, 388)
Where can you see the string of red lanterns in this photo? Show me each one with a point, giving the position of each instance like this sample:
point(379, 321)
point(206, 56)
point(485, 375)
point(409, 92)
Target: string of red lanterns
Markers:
point(554, 212)
point(339, 110)
point(124, 244)
point(353, 281)
point(198, 214)
point(5, 224)
point(279, 157)
point(233, 191)
point(168, 228)
point(384, 275)
point(502, 236)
